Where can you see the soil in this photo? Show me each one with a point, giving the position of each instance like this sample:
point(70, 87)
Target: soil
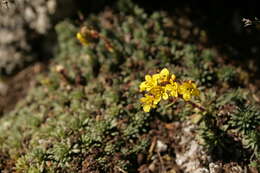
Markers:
point(17, 86)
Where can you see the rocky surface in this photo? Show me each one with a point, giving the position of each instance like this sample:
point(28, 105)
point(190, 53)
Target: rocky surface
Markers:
point(22, 23)
point(192, 157)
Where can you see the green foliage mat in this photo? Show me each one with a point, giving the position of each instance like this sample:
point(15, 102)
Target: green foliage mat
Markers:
point(87, 117)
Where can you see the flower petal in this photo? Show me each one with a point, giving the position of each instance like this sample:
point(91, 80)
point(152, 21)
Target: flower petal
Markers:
point(186, 96)
point(148, 78)
point(157, 100)
point(165, 96)
point(143, 99)
point(82, 39)
point(142, 86)
point(155, 76)
point(173, 77)
point(174, 93)
point(164, 72)
point(147, 108)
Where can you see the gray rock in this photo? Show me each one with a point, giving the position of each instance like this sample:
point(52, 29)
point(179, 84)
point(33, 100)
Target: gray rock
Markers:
point(193, 157)
point(160, 146)
point(215, 168)
point(21, 22)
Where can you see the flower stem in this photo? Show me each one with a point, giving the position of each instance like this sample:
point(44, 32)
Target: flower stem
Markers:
point(196, 106)
point(169, 105)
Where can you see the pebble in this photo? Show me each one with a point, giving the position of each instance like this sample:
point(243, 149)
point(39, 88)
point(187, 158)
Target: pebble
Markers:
point(160, 146)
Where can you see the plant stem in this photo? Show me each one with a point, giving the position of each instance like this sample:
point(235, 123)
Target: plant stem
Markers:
point(196, 106)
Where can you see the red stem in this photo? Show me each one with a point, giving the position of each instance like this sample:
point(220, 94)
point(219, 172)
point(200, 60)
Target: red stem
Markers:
point(196, 106)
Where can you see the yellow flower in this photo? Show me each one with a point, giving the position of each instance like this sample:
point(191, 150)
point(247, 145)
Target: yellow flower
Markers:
point(173, 77)
point(164, 75)
point(165, 96)
point(148, 102)
point(159, 92)
point(162, 85)
point(149, 83)
point(172, 88)
point(188, 89)
point(82, 39)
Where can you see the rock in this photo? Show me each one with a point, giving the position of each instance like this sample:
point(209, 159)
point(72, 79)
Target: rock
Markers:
point(25, 21)
point(192, 155)
point(151, 167)
point(160, 146)
point(215, 168)
point(233, 167)
point(201, 170)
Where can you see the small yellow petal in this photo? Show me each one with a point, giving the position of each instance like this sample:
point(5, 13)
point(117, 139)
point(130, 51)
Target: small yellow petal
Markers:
point(168, 87)
point(79, 36)
point(157, 100)
point(193, 85)
point(82, 40)
point(173, 77)
point(174, 93)
point(148, 78)
point(164, 72)
point(147, 108)
point(186, 96)
point(143, 86)
point(143, 99)
point(155, 76)
point(181, 89)
point(165, 96)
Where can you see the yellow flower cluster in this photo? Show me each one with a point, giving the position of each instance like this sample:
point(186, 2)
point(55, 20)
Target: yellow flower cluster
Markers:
point(162, 86)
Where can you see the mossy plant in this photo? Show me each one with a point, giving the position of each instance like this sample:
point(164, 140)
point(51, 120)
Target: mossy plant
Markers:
point(84, 115)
